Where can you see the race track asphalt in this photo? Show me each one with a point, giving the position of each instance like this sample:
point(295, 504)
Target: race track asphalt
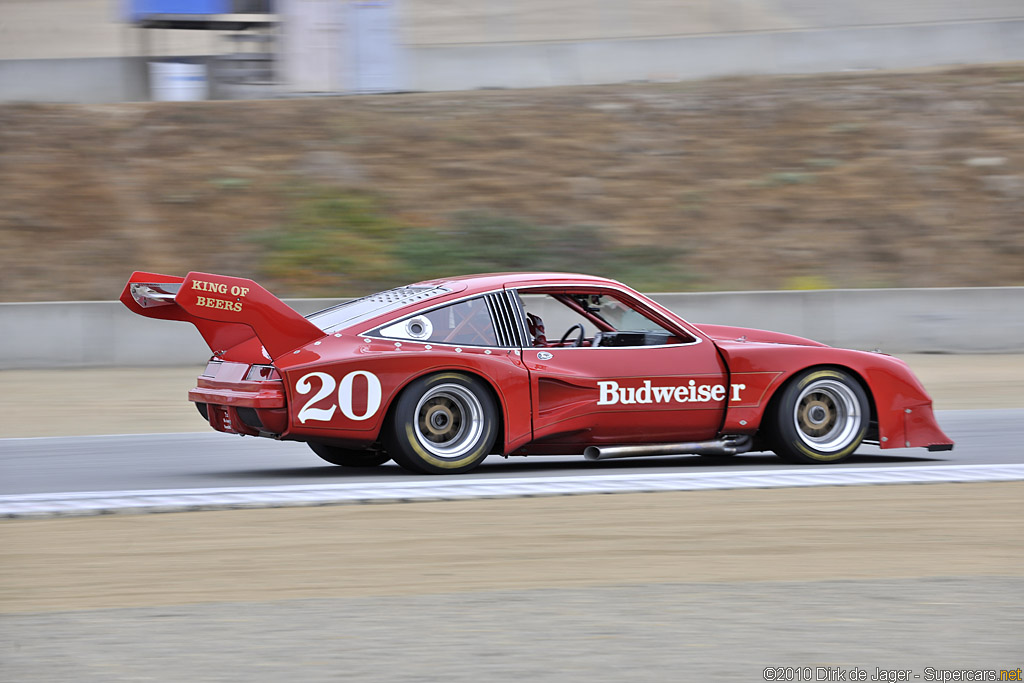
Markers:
point(210, 460)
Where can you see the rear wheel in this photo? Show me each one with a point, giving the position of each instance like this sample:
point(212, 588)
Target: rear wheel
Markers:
point(443, 424)
point(821, 417)
point(348, 458)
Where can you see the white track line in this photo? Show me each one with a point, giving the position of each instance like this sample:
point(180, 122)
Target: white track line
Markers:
point(449, 488)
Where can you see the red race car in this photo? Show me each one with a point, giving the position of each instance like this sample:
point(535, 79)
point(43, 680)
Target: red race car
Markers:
point(439, 374)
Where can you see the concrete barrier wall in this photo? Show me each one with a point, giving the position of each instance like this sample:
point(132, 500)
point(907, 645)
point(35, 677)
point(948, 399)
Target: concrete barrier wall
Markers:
point(940, 320)
point(584, 62)
point(79, 50)
point(90, 81)
point(97, 80)
point(587, 62)
point(976, 320)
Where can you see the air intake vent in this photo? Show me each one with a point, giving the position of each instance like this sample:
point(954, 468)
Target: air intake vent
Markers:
point(404, 295)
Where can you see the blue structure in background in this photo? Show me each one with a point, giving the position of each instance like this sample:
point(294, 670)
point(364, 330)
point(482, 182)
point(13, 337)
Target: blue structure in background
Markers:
point(135, 9)
point(193, 13)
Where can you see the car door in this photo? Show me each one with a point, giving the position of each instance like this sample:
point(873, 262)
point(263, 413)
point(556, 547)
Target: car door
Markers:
point(673, 387)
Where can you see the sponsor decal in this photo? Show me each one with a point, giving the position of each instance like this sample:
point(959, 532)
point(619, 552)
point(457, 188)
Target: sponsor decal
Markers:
point(210, 302)
point(346, 396)
point(611, 393)
point(219, 288)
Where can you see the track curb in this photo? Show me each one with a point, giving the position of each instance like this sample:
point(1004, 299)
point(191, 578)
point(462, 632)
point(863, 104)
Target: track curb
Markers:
point(86, 503)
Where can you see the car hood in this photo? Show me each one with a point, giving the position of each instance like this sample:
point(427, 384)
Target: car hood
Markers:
point(748, 334)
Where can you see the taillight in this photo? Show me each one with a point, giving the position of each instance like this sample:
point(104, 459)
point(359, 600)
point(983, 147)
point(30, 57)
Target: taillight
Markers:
point(211, 368)
point(262, 372)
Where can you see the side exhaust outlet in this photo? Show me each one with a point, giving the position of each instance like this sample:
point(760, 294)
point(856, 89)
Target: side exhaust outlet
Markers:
point(727, 445)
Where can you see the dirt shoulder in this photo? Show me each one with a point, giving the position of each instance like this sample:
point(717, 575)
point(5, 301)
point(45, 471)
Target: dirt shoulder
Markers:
point(842, 180)
point(153, 400)
point(523, 543)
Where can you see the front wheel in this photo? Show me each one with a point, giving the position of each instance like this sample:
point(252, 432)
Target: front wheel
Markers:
point(347, 457)
point(821, 417)
point(443, 424)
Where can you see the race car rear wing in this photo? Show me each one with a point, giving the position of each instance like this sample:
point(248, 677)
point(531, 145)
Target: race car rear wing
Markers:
point(226, 310)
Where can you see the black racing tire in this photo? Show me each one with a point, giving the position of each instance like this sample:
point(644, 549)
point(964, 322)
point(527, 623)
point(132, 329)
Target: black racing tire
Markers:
point(347, 457)
point(442, 424)
point(822, 416)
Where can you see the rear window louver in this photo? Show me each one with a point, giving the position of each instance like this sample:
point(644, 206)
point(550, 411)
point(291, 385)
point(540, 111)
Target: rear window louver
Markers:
point(506, 323)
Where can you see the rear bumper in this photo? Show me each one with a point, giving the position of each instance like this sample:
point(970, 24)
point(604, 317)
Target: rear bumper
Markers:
point(236, 406)
point(262, 397)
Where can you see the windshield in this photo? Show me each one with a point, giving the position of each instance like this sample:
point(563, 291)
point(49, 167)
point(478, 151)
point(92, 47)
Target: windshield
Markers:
point(617, 314)
point(360, 310)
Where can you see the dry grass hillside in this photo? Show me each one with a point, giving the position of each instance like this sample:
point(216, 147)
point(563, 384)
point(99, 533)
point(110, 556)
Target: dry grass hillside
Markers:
point(851, 180)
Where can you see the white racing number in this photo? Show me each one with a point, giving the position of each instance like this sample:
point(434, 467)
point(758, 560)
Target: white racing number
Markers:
point(346, 394)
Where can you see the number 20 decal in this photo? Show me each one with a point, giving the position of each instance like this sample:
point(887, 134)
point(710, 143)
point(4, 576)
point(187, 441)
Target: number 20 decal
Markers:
point(345, 392)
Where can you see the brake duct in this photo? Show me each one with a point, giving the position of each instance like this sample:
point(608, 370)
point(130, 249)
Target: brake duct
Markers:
point(726, 445)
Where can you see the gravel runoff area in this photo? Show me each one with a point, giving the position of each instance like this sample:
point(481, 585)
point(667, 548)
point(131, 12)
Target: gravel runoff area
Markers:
point(640, 632)
point(153, 400)
point(713, 585)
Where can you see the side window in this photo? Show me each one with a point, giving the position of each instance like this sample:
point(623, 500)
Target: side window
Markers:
point(547, 319)
point(554, 319)
point(464, 323)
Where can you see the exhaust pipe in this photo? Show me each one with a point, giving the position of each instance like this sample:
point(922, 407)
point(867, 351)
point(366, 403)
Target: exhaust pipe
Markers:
point(727, 445)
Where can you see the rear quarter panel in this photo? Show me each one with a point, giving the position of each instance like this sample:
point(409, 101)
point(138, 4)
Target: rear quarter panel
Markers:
point(341, 389)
